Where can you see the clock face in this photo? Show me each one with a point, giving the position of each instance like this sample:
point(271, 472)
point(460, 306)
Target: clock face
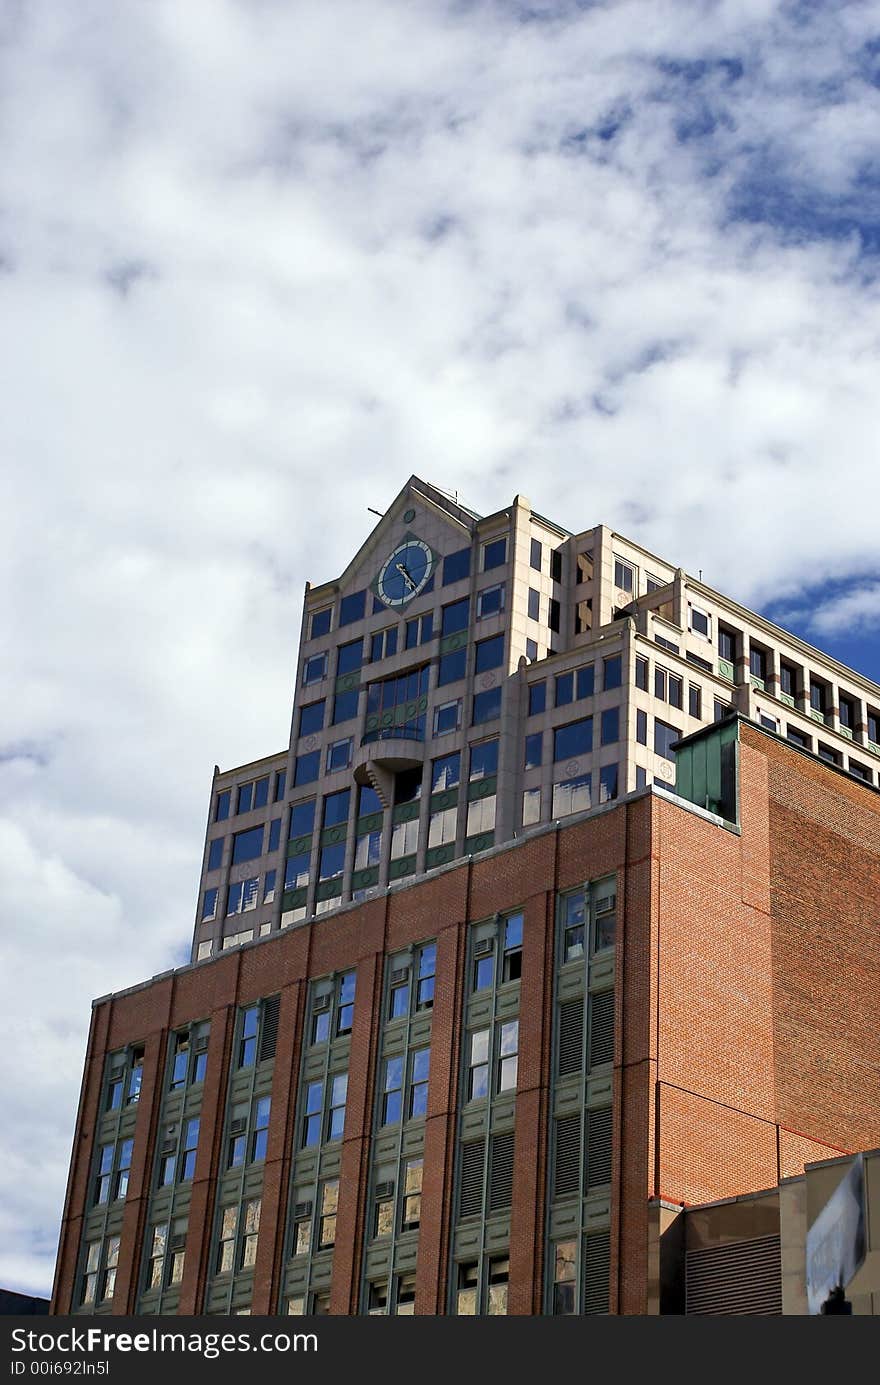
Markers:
point(405, 572)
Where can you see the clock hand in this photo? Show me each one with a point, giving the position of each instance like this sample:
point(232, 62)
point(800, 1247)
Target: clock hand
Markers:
point(406, 577)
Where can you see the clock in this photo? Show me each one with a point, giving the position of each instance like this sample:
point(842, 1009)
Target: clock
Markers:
point(405, 572)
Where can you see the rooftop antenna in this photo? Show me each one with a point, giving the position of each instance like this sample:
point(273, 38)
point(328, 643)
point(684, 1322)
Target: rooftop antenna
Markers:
point(701, 574)
point(380, 513)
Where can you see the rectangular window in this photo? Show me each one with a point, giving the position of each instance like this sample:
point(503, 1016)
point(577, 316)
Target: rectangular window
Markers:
point(331, 861)
point(874, 727)
point(484, 759)
point(442, 827)
point(447, 717)
point(455, 616)
point(368, 850)
point(607, 783)
point(624, 576)
point(420, 1071)
point(446, 772)
point(583, 616)
point(664, 736)
point(481, 815)
point(247, 846)
point(392, 1091)
point(556, 564)
point(280, 785)
point(352, 607)
point(451, 667)
point(274, 834)
point(847, 712)
point(412, 1194)
point(189, 1150)
point(345, 706)
point(419, 630)
point(404, 839)
point(641, 727)
point(489, 654)
point(668, 686)
point(339, 755)
point(572, 795)
point(487, 706)
point(534, 604)
point(758, 663)
point(535, 551)
point(534, 750)
point(508, 1051)
point(610, 726)
point(327, 1217)
point(531, 807)
point(585, 566)
point(320, 623)
point(306, 768)
point(311, 718)
point(490, 601)
point(553, 615)
point(612, 672)
point(574, 739)
point(247, 1042)
point(726, 644)
point(221, 812)
point(296, 870)
point(826, 752)
point(209, 904)
point(641, 673)
point(494, 554)
point(215, 853)
point(478, 1065)
point(349, 657)
point(456, 566)
point(336, 1115)
point(798, 737)
point(315, 669)
point(699, 621)
point(537, 698)
point(564, 689)
point(241, 897)
point(564, 1276)
point(788, 679)
point(336, 807)
point(861, 771)
point(695, 701)
point(817, 696)
point(511, 957)
point(383, 644)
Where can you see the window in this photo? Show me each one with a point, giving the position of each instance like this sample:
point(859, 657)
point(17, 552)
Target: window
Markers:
point(771, 722)
point(331, 861)
point(246, 846)
point(695, 659)
point(302, 819)
point(583, 616)
point(135, 1076)
point(427, 961)
point(490, 601)
point(535, 554)
point(345, 993)
point(241, 896)
point(456, 566)
point(508, 1050)
point(451, 667)
point(352, 607)
point(221, 812)
point(664, 736)
point(255, 795)
point(788, 679)
point(442, 826)
point(487, 706)
point(446, 772)
point(296, 871)
point(574, 739)
point(447, 717)
point(861, 771)
point(511, 960)
point(564, 1272)
point(336, 806)
point(585, 566)
point(531, 807)
point(466, 1294)
point(873, 726)
point(817, 696)
point(556, 564)
point(624, 576)
point(531, 651)
point(104, 1176)
point(280, 785)
point(574, 916)
point(311, 718)
point(695, 701)
point(572, 795)
point(215, 853)
point(383, 644)
point(306, 768)
point(368, 849)
point(610, 726)
point(668, 686)
point(798, 737)
point(478, 1065)
point(327, 1215)
point(455, 616)
point(641, 727)
point(209, 904)
point(320, 623)
point(484, 759)
point(826, 752)
point(612, 672)
point(607, 783)
point(726, 644)
point(420, 1070)
point(534, 604)
point(758, 663)
point(314, 669)
point(489, 654)
point(419, 630)
point(699, 621)
point(349, 657)
point(412, 1194)
point(345, 706)
point(392, 1091)
point(339, 755)
point(123, 1168)
point(313, 1104)
point(847, 712)
point(404, 839)
point(537, 698)
point(534, 750)
point(247, 1043)
point(553, 615)
point(338, 1094)
point(720, 710)
point(494, 554)
point(188, 1150)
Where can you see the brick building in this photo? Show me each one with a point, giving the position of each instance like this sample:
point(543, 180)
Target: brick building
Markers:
point(477, 999)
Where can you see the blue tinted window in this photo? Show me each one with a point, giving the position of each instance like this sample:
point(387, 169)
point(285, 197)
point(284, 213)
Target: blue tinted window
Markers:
point(584, 681)
point(369, 801)
point(215, 853)
point(664, 735)
point(610, 725)
point(245, 799)
point(612, 672)
point(487, 705)
point(339, 755)
point(315, 668)
point(490, 654)
point(307, 768)
point(535, 555)
point(495, 554)
point(531, 650)
point(247, 845)
point(534, 745)
point(484, 969)
point(490, 601)
point(352, 607)
point(564, 689)
point(311, 718)
point(274, 834)
point(537, 697)
point(336, 807)
point(261, 792)
point(280, 785)
point(455, 616)
point(320, 624)
point(451, 667)
point(332, 861)
point(349, 657)
point(607, 783)
point(484, 759)
point(456, 566)
point(446, 718)
point(345, 706)
point(302, 819)
point(534, 604)
point(296, 871)
point(446, 773)
point(209, 904)
point(222, 806)
point(573, 740)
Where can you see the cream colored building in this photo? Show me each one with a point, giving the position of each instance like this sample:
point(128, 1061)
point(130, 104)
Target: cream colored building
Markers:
point(467, 678)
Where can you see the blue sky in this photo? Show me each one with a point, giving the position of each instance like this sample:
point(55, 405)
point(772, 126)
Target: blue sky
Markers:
point(261, 262)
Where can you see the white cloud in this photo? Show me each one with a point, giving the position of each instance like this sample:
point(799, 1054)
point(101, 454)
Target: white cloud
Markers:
point(263, 262)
